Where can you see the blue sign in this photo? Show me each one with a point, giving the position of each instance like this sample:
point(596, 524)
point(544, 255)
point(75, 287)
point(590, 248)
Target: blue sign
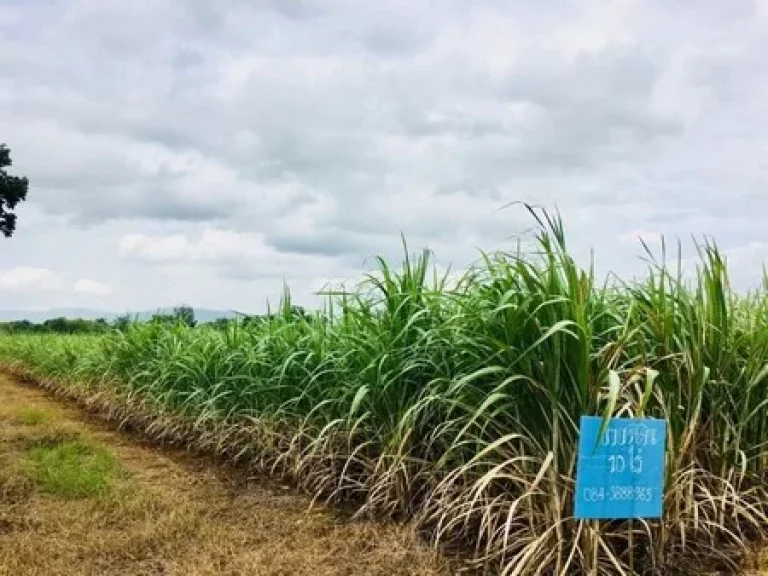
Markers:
point(620, 474)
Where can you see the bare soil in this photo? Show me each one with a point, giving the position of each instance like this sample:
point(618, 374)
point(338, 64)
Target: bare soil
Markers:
point(173, 513)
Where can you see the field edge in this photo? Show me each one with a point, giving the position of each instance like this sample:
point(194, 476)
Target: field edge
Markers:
point(226, 444)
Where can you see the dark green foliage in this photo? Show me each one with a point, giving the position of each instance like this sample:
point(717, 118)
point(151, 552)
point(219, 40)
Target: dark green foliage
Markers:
point(122, 323)
point(56, 326)
point(220, 323)
point(13, 190)
point(184, 315)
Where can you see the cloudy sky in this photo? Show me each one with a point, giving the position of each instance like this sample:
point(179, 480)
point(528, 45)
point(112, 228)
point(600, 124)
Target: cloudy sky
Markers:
point(205, 152)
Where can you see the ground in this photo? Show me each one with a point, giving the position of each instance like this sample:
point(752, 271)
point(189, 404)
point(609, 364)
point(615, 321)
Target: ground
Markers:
point(77, 497)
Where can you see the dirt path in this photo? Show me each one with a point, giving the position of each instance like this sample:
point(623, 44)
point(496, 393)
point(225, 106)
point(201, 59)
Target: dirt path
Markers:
point(76, 497)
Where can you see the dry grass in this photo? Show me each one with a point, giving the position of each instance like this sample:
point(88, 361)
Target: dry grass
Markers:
point(173, 513)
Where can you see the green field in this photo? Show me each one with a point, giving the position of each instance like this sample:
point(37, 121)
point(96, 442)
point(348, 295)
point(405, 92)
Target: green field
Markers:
point(457, 406)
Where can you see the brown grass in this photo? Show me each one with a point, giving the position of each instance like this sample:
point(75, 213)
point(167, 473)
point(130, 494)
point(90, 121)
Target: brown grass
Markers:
point(173, 514)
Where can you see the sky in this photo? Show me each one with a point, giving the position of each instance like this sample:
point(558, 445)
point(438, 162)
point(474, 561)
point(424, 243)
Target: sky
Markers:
point(207, 153)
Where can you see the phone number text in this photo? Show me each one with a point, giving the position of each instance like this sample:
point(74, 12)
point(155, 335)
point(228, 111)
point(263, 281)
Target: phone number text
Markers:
point(618, 494)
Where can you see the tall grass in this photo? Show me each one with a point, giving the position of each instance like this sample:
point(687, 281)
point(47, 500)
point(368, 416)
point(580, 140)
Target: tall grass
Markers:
point(457, 406)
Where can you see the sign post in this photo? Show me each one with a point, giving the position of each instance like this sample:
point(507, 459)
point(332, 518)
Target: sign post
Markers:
point(620, 471)
point(620, 474)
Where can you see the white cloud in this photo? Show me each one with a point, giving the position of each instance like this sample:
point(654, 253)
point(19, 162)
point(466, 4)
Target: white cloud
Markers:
point(746, 264)
point(220, 245)
point(226, 253)
point(152, 248)
point(30, 279)
point(637, 237)
point(92, 288)
point(233, 149)
point(212, 246)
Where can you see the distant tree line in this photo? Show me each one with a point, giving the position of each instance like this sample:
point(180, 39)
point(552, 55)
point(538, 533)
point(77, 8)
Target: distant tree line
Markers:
point(57, 326)
point(180, 315)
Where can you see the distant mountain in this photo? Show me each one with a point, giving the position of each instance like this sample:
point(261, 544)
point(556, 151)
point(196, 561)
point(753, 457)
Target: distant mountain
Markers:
point(42, 315)
point(37, 316)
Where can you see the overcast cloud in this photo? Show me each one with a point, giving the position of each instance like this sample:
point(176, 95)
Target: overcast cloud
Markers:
point(199, 152)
